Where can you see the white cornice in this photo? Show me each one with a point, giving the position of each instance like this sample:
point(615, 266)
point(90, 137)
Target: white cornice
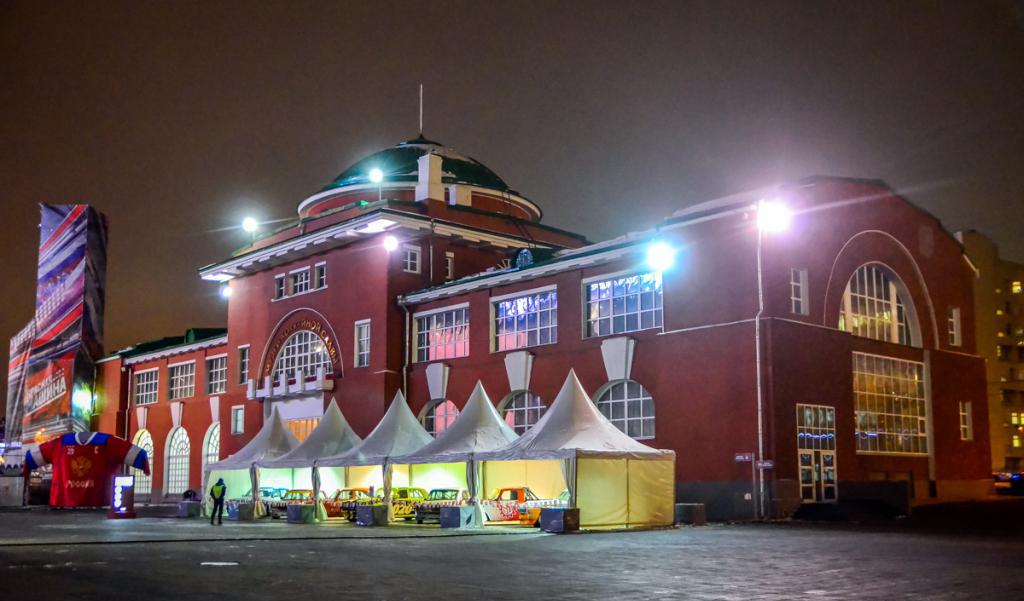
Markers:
point(177, 350)
point(369, 188)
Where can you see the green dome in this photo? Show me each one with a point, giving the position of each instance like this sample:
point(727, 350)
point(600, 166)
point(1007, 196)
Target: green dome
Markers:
point(399, 164)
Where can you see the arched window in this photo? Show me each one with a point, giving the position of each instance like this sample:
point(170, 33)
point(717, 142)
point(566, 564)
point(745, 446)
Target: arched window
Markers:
point(522, 409)
point(211, 450)
point(438, 416)
point(303, 350)
point(877, 305)
point(630, 407)
point(144, 483)
point(177, 462)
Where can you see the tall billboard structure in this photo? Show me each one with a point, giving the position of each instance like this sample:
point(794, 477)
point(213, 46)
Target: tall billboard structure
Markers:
point(52, 364)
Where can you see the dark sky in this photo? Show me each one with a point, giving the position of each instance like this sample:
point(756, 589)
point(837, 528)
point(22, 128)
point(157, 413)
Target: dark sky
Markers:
point(178, 118)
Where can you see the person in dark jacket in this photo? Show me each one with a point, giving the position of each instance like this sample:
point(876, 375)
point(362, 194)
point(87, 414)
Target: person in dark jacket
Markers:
point(218, 492)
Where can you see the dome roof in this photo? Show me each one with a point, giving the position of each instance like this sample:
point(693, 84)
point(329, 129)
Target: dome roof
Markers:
point(399, 164)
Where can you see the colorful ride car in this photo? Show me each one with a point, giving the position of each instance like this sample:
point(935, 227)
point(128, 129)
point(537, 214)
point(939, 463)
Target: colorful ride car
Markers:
point(404, 500)
point(267, 495)
point(278, 508)
point(334, 504)
point(504, 505)
point(430, 509)
point(529, 511)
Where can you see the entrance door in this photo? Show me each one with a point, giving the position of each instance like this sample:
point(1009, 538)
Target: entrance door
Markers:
point(817, 476)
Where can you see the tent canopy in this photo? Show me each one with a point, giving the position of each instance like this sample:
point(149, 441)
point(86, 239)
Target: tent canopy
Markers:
point(478, 428)
point(398, 433)
point(573, 427)
point(272, 441)
point(332, 436)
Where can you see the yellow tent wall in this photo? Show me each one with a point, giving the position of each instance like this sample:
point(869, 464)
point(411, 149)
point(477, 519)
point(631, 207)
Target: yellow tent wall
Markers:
point(625, 492)
point(542, 477)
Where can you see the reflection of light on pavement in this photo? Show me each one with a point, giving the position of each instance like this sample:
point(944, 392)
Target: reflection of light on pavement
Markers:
point(218, 563)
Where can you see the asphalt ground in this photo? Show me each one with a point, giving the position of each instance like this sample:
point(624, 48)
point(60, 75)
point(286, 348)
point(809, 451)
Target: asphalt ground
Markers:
point(720, 562)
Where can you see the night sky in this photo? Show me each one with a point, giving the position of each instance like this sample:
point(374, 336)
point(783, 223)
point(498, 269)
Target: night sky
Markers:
point(177, 119)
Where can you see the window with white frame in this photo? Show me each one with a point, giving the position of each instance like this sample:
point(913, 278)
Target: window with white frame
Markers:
point(442, 335)
point(449, 265)
point(243, 364)
point(966, 423)
point(953, 320)
point(798, 295)
point(147, 386)
point(362, 343)
point(279, 286)
point(178, 450)
point(217, 375)
point(629, 407)
point(321, 274)
point(211, 454)
point(524, 321)
point(522, 409)
point(874, 307)
point(889, 405)
point(299, 281)
point(439, 416)
point(411, 258)
point(143, 481)
point(623, 304)
point(238, 419)
point(303, 350)
point(181, 380)
point(815, 427)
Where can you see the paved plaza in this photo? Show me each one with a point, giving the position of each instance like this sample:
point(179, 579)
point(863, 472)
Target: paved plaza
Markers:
point(57, 554)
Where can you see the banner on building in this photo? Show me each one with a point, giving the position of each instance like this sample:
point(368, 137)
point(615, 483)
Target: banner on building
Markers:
point(58, 367)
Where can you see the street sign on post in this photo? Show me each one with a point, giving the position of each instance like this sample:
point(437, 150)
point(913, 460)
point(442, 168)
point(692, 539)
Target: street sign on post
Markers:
point(744, 457)
point(749, 458)
point(765, 464)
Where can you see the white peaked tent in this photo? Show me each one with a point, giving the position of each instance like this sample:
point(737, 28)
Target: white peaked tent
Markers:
point(398, 433)
point(478, 428)
point(613, 479)
point(271, 442)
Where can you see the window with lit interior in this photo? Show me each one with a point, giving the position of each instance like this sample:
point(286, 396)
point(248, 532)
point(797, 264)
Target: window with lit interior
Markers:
point(304, 351)
point(144, 483)
point(182, 380)
point(889, 405)
point(876, 305)
point(177, 462)
point(211, 452)
point(299, 281)
point(442, 335)
point(217, 375)
point(522, 409)
point(525, 321)
point(623, 304)
point(147, 386)
point(439, 416)
point(630, 407)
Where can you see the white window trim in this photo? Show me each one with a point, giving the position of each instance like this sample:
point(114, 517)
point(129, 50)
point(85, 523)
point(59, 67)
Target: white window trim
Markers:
point(148, 369)
point(965, 408)
point(928, 412)
point(804, 296)
point(298, 270)
point(440, 310)
point(419, 257)
point(179, 364)
point(355, 342)
point(209, 357)
point(503, 297)
point(416, 328)
point(954, 327)
point(231, 420)
point(492, 316)
point(615, 274)
point(585, 282)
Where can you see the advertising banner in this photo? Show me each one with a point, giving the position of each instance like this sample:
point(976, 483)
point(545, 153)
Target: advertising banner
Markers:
point(20, 345)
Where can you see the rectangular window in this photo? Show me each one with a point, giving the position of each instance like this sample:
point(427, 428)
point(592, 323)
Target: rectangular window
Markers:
point(1016, 441)
point(238, 419)
point(966, 425)
point(147, 386)
point(889, 405)
point(299, 281)
point(1015, 418)
point(279, 290)
point(524, 321)
point(411, 259)
point(624, 304)
point(1016, 288)
point(182, 378)
point(442, 335)
point(449, 265)
point(362, 343)
point(816, 427)
point(953, 320)
point(321, 275)
point(798, 301)
point(217, 375)
point(243, 364)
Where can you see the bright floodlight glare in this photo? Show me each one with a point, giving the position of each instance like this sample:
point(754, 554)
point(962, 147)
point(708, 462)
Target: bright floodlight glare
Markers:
point(376, 175)
point(390, 243)
point(225, 291)
point(773, 216)
point(660, 256)
point(249, 224)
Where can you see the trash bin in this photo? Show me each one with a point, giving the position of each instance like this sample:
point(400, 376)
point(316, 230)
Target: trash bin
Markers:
point(371, 515)
point(560, 519)
point(240, 511)
point(301, 514)
point(189, 509)
point(459, 516)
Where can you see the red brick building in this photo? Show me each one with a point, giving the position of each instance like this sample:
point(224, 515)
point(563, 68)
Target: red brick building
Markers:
point(825, 329)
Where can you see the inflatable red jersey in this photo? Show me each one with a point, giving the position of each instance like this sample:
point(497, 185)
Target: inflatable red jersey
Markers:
point(83, 464)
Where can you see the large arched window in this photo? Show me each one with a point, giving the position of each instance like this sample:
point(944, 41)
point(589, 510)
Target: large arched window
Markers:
point(177, 462)
point(630, 407)
point(144, 483)
point(438, 416)
point(211, 449)
point(877, 305)
point(522, 409)
point(303, 350)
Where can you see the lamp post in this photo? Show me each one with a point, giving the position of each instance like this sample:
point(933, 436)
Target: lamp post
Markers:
point(250, 225)
point(377, 177)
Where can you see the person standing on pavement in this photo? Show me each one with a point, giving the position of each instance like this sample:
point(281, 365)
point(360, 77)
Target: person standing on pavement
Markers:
point(218, 492)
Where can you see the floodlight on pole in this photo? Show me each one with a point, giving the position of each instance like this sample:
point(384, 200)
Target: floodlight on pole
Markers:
point(660, 256)
point(250, 224)
point(225, 291)
point(377, 177)
point(773, 216)
point(390, 243)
